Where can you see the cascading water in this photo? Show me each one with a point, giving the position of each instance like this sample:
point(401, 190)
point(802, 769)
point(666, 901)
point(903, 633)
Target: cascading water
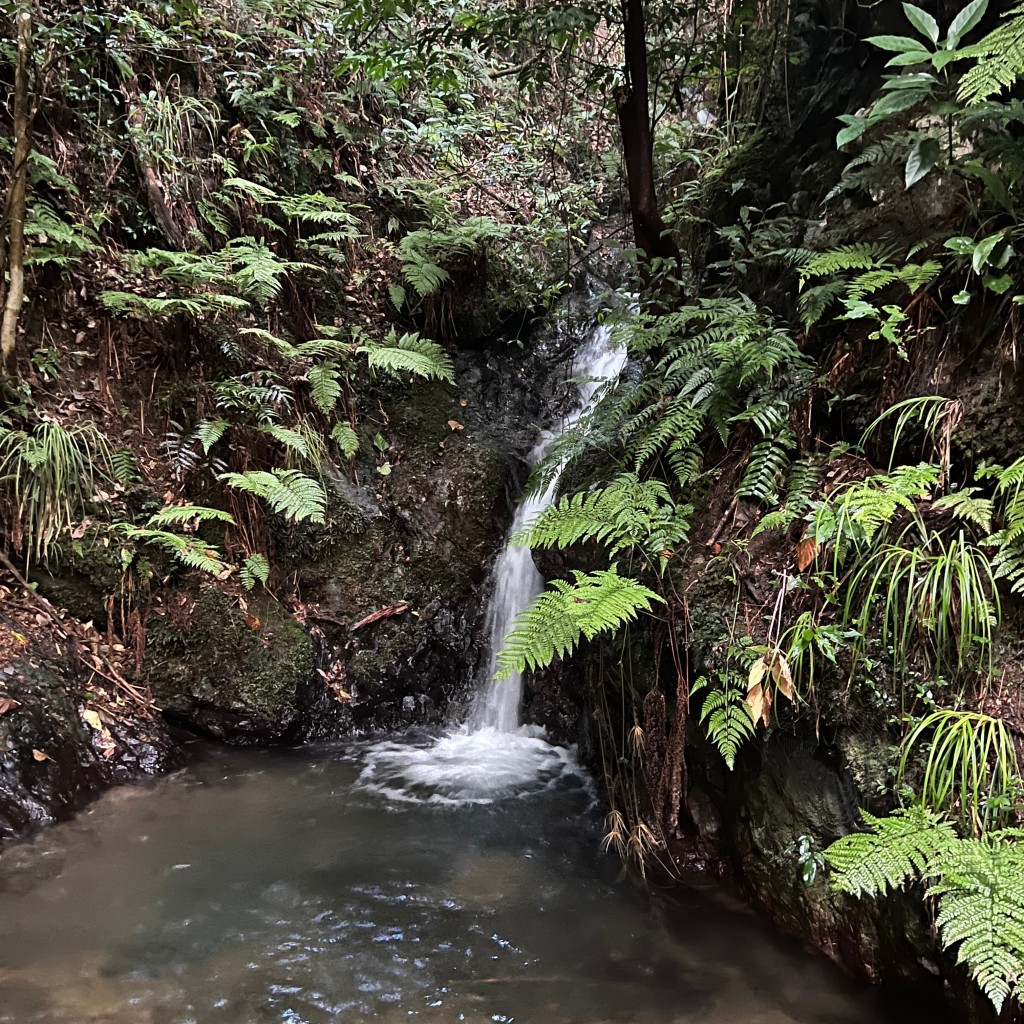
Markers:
point(516, 580)
point(492, 755)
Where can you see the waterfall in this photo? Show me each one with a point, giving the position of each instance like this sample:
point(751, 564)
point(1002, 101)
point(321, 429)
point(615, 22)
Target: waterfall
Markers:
point(491, 755)
point(516, 579)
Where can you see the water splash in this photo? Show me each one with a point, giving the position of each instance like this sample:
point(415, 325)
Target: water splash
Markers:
point(492, 756)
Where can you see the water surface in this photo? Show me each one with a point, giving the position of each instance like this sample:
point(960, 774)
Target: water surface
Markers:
point(280, 887)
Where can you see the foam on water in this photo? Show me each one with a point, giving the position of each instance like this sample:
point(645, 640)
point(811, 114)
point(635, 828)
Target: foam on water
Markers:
point(469, 767)
point(492, 756)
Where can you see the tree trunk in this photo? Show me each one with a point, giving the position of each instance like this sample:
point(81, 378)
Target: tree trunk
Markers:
point(18, 193)
point(633, 104)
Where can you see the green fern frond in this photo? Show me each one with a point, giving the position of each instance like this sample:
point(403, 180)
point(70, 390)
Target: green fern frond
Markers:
point(861, 256)
point(769, 460)
point(551, 627)
point(288, 492)
point(174, 515)
point(293, 440)
point(999, 59)
point(346, 438)
point(893, 851)
point(410, 354)
point(254, 569)
point(209, 432)
point(627, 513)
point(980, 888)
point(325, 386)
point(725, 716)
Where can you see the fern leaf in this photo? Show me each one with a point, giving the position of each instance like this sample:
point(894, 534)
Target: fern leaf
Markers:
point(893, 851)
point(174, 515)
point(347, 439)
point(980, 889)
point(410, 354)
point(288, 492)
point(554, 624)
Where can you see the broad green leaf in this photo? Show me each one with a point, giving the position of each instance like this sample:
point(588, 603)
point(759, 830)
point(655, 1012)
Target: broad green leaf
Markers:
point(896, 102)
point(994, 184)
point(998, 283)
point(922, 21)
point(942, 57)
point(922, 159)
point(965, 21)
point(849, 133)
point(898, 44)
point(902, 60)
point(913, 81)
point(988, 251)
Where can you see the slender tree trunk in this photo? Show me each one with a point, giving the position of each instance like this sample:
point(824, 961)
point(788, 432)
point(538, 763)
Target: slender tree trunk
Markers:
point(638, 140)
point(18, 193)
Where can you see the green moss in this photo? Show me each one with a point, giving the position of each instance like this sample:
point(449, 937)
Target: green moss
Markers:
point(205, 650)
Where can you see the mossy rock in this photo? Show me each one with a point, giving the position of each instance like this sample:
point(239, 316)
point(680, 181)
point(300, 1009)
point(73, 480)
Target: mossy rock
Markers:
point(234, 674)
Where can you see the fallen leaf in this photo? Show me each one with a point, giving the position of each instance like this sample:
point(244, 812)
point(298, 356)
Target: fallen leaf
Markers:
point(39, 755)
point(8, 704)
point(23, 640)
point(456, 425)
point(463, 403)
point(252, 621)
point(92, 719)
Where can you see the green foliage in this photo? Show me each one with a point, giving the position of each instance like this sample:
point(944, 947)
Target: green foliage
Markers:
point(725, 715)
point(1008, 541)
point(48, 477)
point(287, 491)
point(893, 851)
point(592, 603)
point(998, 57)
point(254, 569)
point(943, 589)
point(970, 768)
point(628, 513)
point(977, 883)
point(409, 354)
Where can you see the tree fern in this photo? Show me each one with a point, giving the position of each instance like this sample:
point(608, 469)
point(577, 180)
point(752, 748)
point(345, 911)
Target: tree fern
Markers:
point(553, 625)
point(288, 492)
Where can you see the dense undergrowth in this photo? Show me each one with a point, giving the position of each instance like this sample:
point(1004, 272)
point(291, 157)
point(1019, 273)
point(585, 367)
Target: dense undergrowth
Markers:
point(244, 223)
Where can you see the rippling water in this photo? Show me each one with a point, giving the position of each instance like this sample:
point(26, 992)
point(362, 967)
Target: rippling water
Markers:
point(294, 887)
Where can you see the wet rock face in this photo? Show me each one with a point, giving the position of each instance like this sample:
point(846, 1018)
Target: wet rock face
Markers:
point(456, 468)
point(233, 674)
point(791, 795)
point(52, 761)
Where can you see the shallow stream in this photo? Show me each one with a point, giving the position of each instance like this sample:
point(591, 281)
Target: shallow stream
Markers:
point(300, 886)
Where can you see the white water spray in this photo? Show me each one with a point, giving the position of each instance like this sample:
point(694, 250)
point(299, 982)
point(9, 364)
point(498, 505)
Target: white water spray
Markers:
point(492, 755)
